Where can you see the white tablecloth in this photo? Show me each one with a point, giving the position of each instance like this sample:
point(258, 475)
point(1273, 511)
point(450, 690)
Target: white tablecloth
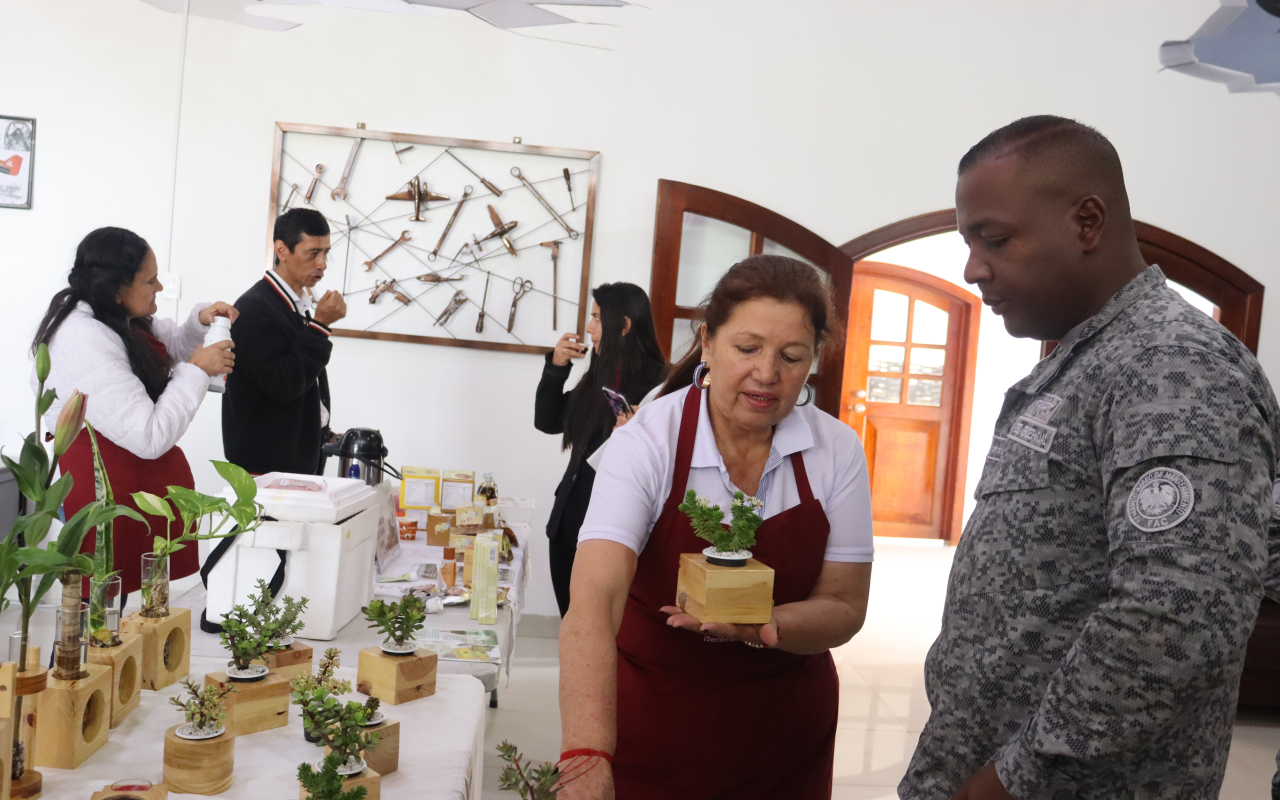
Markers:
point(441, 747)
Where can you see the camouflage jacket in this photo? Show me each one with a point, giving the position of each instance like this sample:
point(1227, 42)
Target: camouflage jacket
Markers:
point(1106, 584)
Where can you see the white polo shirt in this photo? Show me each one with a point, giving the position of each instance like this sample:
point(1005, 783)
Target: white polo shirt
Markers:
point(635, 476)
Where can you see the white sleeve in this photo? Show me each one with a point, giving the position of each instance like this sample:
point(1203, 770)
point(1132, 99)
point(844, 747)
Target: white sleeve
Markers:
point(628, 493)
point(181, 342)
point(848, 505)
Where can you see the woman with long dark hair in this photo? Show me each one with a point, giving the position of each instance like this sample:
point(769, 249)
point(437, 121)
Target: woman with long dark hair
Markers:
point(144, 379)
point(626, 359)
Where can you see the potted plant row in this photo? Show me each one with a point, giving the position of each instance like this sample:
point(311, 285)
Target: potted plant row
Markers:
point(397, 671)
point(724, 583)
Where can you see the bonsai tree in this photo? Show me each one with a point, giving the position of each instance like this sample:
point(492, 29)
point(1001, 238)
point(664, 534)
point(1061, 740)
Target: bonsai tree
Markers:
point(303, 685)
point(397, 621)
point(530, 782)
point(205, 710)
point(707, 521)
point(276, 622)
point(326, 784)
point(192, 508)
point(336, 725)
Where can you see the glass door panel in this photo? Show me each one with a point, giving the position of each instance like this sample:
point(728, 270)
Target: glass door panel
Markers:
point(708, 247)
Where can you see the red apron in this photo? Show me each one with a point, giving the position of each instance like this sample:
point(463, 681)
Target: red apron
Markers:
point(129, 473)
point(700, 718)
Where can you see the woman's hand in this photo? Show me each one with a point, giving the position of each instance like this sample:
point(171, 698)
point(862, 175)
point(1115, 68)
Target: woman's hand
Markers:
point(766, 634)
point(218, 309)
point(566, 349)
point(623, 419)
point(594, 784)
point(216, 359)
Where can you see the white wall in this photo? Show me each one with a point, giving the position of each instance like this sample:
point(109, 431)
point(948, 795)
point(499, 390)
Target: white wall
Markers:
point(844, 116)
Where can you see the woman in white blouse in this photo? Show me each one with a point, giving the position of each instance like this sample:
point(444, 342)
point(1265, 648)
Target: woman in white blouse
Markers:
point(144, 379)
point(652, 703)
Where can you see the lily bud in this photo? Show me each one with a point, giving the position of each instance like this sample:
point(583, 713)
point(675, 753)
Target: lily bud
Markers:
point(70, 422)
point(42, 363)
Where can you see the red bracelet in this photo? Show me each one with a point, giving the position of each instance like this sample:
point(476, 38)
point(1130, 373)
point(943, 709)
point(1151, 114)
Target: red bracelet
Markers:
point(585, 752)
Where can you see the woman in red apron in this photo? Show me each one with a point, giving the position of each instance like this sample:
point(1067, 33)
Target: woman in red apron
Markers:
point(144, 380)
point(671, 708)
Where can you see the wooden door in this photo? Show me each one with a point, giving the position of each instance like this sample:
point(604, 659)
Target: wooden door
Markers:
point(699, 233)
point(909, 372)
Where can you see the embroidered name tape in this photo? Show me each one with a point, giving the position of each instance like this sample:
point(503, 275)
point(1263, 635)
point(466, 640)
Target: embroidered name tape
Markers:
point(1033, 434)
point(1161, 499)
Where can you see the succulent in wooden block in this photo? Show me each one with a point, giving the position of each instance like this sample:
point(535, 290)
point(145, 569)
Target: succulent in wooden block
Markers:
point(337, 725)
point(330, 661)
point(326, 783)
point(205, 710)
point(398, 622)
point(707, 520)
point(276, 622)
point(245, 644)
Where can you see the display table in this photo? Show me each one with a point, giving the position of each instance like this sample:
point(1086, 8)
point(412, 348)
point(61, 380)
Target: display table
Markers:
point(441, 749)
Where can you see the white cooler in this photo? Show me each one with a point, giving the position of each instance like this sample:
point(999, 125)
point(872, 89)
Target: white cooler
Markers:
point(328, 528)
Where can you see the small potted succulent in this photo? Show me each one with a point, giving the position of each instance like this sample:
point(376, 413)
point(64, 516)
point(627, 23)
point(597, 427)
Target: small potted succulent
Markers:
point(277, 623)
point(398, 622)
point(304, 685)
point(338, 726)
point(249, 634)
point(199, 755)
point(326, 783)
point(397, 671)
point(204, 711)
point(747, 596)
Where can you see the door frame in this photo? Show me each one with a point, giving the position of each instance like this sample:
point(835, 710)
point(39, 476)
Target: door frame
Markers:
point(1237, 295)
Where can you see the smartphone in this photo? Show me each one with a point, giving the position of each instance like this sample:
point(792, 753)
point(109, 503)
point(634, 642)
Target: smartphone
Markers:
point(617, 402)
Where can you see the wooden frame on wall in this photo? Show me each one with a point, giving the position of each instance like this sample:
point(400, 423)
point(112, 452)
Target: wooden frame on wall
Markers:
point(496, 310)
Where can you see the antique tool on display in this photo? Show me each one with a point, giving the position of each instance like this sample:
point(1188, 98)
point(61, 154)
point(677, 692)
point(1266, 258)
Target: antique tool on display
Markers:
point(500, 231)
point(404, 237)
point(515, 171)
point(555, 279)
point(289, 199)
point(454, 304)
point(341, 191)
point(347, 262)
point(436, 277)
point(401, 151)
point(417, 194)
point(480, 320)
point(386, 287)
point(568, 182)
point(314, 180)
point(483, 182)
point(449, 225)
point(522, 288)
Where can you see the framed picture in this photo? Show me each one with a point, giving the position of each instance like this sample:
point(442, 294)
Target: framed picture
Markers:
point(17, 160)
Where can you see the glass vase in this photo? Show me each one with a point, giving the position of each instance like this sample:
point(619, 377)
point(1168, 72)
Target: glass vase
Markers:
point(104, 612)
point(71, 649)
point(155, 585)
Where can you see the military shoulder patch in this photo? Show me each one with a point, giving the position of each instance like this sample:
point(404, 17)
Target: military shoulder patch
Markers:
point(1161, 499)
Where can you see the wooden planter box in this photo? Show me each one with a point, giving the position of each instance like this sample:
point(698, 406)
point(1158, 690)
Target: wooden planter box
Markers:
point(369, 779)
point(253, 707)
point(75, 717)
point(125, 661)
point(199, 766)
point(712, 593)
point(29, 686)
point(160, 792)
point(166, 646)
point(289, 663)
point(386, 758)
point(396, 679)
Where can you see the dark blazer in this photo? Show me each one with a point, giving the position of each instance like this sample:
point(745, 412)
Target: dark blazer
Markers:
point(551, 406)
point(271, 409)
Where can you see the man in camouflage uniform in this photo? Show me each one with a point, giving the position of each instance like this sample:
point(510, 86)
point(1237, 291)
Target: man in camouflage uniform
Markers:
point(1108, 580)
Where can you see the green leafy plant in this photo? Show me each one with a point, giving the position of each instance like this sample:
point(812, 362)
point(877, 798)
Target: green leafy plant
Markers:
point(337, 725)
point(104, 558)
point(192, 508)
point(275, 622)
point(242, 638)
point(205, 709)
point(302, 685)
point(326, 784)
point(397, 621)
point(707, 521)
point(530, 782)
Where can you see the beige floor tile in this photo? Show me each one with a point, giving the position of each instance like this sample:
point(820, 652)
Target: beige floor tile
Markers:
point(872, 757)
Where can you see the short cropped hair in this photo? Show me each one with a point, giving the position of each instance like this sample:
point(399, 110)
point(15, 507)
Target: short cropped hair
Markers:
point(294, 223)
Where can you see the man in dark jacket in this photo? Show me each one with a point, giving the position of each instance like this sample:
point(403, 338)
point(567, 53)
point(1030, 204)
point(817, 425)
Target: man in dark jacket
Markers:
point(275, 413)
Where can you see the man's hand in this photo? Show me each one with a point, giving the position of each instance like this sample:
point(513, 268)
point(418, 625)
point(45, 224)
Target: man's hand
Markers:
point(331, 308)
point(985, 785)
point(566, 349)
point(218, 309)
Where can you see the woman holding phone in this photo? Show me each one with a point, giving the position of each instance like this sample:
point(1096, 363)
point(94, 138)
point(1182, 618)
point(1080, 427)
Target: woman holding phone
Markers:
point(626, 359)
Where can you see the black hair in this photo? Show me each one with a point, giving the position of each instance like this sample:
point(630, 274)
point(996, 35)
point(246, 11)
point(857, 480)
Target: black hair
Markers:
point(107, 261)
point(293, 224)
point(780, 278)
point(621, 359)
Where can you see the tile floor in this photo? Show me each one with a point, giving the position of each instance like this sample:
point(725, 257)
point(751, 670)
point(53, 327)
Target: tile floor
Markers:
point(882, 700)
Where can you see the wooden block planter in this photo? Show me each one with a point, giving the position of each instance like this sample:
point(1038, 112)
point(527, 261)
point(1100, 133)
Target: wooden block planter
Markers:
point(385, 759)
point(75, 717)
point(199, 766)
point(253, 707)
point(28, 787)
point(125, 661)
point(712, 593)
point(29, 686)
point(396, 679)
point(369, 779)
point(166, 646)
point(160, 792)
point(289, 663)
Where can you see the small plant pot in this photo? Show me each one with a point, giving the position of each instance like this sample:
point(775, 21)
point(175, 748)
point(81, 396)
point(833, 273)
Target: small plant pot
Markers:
point(309, 736)
point(377, 719)
point(730, 558)
point(155, 586)
point(166, 651)
point(408, 648)
point(354, 766)
point(715, 593)
point(255, 705)
point(191, 733)
point(198, 766)
point(396, 679)
point(250, 674)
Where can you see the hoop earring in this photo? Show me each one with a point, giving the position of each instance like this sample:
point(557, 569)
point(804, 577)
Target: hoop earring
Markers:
point(808, 398)
point(702, 376)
